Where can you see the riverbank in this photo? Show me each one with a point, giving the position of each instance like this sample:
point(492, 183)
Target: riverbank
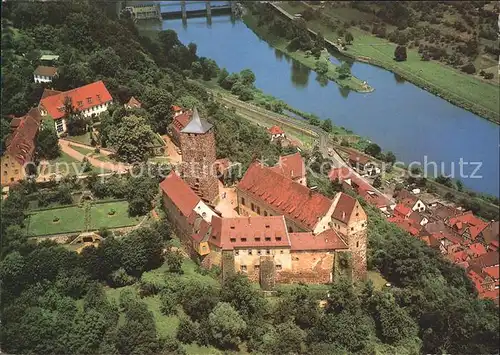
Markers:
point(460, 89)
point(309, 61)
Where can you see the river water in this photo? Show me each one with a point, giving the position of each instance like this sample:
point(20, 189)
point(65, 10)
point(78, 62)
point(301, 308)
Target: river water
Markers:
point(399, 116)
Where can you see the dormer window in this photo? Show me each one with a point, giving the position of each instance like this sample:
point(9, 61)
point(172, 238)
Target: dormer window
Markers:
point(278, 239)
point(243, 239)
point(232, 227)
point(80, 103)
point(233, 240)
point(89, 100)
point(257, 239)
point(61, 109)
point(98, 97)
point(267, 225)
point(268, 239)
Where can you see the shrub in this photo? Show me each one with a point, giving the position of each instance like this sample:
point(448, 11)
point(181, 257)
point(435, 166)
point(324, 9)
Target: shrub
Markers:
point(97, 150)
point(112, 212)
point(55, 219)
point(400, 53)
point(120, 278)
point(469, 68)
point(488, 75)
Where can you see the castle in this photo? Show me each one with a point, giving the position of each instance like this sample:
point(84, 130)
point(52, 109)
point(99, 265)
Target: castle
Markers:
point(285, 232)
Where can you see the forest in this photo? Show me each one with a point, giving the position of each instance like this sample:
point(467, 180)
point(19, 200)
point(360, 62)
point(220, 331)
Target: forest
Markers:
point(55, 301)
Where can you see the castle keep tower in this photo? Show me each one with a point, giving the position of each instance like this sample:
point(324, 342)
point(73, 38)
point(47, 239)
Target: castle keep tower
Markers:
point(197, 142)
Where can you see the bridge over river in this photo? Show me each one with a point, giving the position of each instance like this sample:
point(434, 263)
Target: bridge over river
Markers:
point(191, 9)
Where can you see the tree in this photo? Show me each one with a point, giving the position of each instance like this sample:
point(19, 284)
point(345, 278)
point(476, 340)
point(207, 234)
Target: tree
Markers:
point(226, 325)
point(444, 180)
point(321, 67)
point(168, 302)
point(400, 53)
point(344, 70)
point(390, 157)
point(158, 103)
point(239, 292)
point(47, 142)
point(228, 82)
point(327, 126)
point(247, 77)
point(469, 68)
point(373, 149)
point(132, 139)
point(348, 37)
point(105, 62)
point(377, 182)
point(460, 185)
point(286, 338)
point(174, 261)
point(75, 121)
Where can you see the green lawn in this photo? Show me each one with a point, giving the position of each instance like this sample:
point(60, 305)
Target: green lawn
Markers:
point(81, 150)
point(71, 219)
point(67, 165)
point(83, 139)
point(461, 89)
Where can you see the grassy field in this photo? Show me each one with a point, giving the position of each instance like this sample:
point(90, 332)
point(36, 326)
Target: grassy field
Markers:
point(280, 44)
point(83, 139)
point(81, 150)
point(71, 219)
point(461, 89)
point(67, 165)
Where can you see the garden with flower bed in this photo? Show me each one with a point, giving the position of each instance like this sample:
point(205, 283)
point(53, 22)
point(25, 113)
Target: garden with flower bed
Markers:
point(71, 219)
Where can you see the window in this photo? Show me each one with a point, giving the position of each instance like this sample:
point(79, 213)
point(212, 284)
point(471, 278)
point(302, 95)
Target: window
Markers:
point(282, 252)
point(243, 201)
point(256, 267)
point(278, 267)
point(362, 224)
point(352, 228)
point(257, 239)
point(233, 240)
point(11, 179)
point(290, 230)
point(258, 210)
point(6, 165)
point(268, 239)
point(268, 252)
point(16, 172)
point(357, 244)
point(89, 100)
point(265, 214)
point(253, 207)
point(243, 268)
point(243, 239)
point(267, 225)
point(5, 172)
point(259, 252)
point(357, 214)
point(80, 103)
point(232, 227)
point(249, 251)
point(278, 239)
point(236, 252)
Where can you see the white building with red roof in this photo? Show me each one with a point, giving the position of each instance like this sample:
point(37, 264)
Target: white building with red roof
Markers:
point(90, 100)
point(276, 133)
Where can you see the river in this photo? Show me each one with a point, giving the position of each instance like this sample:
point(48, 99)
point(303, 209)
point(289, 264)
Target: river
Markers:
point(399, 116)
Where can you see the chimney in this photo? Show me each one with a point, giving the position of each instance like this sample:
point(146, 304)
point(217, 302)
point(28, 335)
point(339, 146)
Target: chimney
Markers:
point(343, 214)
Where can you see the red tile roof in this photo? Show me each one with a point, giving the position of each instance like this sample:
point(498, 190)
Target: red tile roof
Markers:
point(375, 199)
point(181, 121)
point(493, 294)
point(342, 174)
point(96, 92)
point(491, 232)
point(249, 232)
point(49, 92)
point(45, 71)
point(179, 192)
point(402, 210)
point(133, 102)
point(176, 108)
point(406, 224)
point(356, 157)
point(416, 216)
point(291, 166)
point(443, 212)
point(275, 130)
point(20, 144)
point(344, 208)
point(468, 220)
point(477, 249)
point(452, 238)
point(290, 198)
point(492, 271)
point(458, 256)
point(327, 240)
point(491, 258)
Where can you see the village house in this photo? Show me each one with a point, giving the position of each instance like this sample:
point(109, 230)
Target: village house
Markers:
point(276, 133)
point(133, 103)
point(484, 272)
point(20, 148)
point(293, 167)
point(44, 74)
point(180, 120)
point(408, 199)
point(467, 225)
point(90, 100)
point(363, 164)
